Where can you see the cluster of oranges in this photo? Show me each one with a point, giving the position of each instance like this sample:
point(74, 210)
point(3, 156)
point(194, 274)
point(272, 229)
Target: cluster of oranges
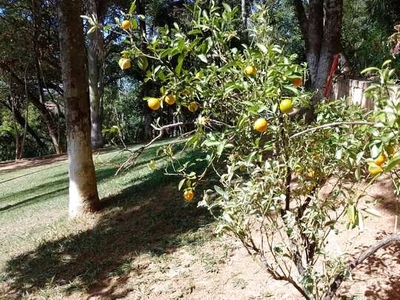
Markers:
point(285, 106)
point(375, 167)
point(170, 99)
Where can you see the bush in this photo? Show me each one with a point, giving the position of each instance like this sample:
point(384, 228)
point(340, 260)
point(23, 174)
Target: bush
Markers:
point(271, 166)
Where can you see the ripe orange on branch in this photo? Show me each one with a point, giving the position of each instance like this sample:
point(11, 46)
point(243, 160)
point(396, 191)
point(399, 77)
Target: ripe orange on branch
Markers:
point(170, 99)
point(154, 103)
point(297, 82)
point(374, 169)
point(124, 63)
point(126, 24)
point(261, 125)
point(250, 70)
point(380, 160)
point(188, 195)
point(193, 106)
point(286, 106)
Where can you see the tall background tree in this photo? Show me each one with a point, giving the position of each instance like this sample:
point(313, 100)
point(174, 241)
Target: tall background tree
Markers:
point(320, 22)
point(83, 196)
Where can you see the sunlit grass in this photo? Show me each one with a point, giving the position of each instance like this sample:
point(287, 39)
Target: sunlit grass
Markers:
point(34, 201)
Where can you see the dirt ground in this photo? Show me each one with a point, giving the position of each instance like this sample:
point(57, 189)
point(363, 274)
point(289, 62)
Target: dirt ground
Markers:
point(31, 162)
point(221, 269)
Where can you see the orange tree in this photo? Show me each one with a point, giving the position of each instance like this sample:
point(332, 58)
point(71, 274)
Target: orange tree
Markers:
point(284, 187)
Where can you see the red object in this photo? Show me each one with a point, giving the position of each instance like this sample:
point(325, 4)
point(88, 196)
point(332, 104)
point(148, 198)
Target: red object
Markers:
point(331, 73)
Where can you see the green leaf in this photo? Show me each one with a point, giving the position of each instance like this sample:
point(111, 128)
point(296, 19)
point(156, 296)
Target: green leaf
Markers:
point(134, 24)
point(357, 174)
point(262, 48)
point(142, 63)
point(386, 62)
point(220, 149)
point(181, 183)
point(132, 8)
point(226, 7)
point(161, 75)
point(369, 70)
point(92, 29)
point(373, 211)
point(219, 190)
point(393, 163)
point(192, 141)
point(203, 58)
point(351, 214)
point(178, 68)
point(292, 89)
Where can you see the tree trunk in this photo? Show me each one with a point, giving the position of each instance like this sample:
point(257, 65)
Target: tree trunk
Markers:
point(83, 196)
point(44, 113)
point(321, 29)
point(22, 122)
point(95, 53)
point(16, 130)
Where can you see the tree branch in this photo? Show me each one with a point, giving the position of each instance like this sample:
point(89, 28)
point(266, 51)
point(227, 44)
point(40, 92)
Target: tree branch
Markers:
point(363, 256)
point(135, 154)
point(330, 125)
point(301, 16)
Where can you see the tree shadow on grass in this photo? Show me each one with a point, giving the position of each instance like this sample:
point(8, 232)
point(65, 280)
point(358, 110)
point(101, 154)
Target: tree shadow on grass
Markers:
point(147, 217)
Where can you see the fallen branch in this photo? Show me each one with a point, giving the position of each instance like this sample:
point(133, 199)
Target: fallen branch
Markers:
point(363, 256)
point(135, 154)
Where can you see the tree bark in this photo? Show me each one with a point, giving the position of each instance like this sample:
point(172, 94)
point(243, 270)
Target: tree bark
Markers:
point(22, 122)
point(83, 196)
point(16, 131)
point(320, 25)
point(44, 113)
point(95, 53)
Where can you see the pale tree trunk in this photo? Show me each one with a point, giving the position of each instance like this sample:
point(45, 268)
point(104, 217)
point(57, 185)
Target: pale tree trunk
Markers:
point(243, 13)
point(83, 196)
point(95, 64)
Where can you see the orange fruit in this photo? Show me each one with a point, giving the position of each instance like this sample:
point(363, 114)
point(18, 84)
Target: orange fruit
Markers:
point(193, 106)
point(286, 106)
point(126, 24)
point(297, 82)
point(250, 70)
point(188, 195)
point(170, 99)
point(154, 103)
point(260, 125)
point(124, 63)
point(374, 169)
point(380, 159)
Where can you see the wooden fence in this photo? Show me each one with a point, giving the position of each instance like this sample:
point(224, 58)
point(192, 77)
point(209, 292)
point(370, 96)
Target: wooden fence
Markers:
point(354, 91)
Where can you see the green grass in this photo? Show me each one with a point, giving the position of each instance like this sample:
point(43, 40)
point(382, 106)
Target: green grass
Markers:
point(42, 251)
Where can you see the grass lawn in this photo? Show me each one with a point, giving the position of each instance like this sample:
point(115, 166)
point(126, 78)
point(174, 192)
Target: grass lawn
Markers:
point(43, 254)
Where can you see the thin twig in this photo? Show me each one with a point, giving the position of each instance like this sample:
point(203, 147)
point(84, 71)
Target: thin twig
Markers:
point(330, 125)
point(135, 154)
